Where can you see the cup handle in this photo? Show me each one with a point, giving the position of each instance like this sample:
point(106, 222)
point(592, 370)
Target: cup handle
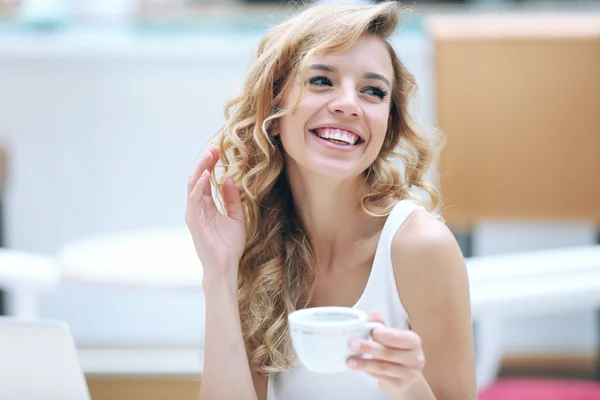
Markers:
point(372, 325)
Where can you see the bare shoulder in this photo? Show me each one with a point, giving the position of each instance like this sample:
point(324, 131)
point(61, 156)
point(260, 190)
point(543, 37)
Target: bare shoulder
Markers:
point(433, 285)
point(422, 235)
point(426, 258)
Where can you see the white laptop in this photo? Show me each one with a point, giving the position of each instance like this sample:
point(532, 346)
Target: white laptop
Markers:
point(38, 361)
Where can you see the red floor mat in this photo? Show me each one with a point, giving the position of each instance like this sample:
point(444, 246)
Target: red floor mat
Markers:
point(541, 389)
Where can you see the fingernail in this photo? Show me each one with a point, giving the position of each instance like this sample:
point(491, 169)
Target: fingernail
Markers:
point(354, 345)
point(205, 173)
point(352, 363)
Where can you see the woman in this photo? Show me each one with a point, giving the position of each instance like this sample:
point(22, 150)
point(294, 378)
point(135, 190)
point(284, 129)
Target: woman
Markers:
point(316, 214)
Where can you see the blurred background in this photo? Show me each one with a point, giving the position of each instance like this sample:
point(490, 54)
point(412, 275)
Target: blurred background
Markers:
point(106, 104)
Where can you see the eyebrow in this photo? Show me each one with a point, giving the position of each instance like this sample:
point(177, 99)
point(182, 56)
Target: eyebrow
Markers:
point(366, 75)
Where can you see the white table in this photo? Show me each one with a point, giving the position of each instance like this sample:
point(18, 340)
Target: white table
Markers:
point(535, 282)
point(159, 258)
point(526, 284)
point(502, 287)
point(24, 276)
point(153, 259)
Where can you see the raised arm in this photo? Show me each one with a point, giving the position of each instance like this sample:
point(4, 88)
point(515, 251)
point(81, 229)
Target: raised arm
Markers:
point(219, 241)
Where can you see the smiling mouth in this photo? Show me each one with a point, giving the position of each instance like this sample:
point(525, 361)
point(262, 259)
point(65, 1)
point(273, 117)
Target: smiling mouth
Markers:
point(337, 136)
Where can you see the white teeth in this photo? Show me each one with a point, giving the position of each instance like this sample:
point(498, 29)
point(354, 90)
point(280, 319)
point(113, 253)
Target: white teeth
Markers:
point(337, 134)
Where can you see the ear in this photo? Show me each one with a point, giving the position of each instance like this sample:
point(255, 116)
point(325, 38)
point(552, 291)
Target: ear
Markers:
point(275, 128)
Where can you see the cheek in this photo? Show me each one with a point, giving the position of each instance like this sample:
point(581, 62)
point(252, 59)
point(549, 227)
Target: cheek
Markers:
point(296, 121)
point(379, 127)
point(290, 127)
point(291, 132)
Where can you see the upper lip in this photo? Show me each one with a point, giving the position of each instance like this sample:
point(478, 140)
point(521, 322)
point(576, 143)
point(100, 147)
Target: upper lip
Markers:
point(342, 127)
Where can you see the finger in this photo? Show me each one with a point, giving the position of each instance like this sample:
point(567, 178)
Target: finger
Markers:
point(409, 358)
point(399, 339)
point(201, 189)
point(379, 367)
point(233, 200)
point(214, 150)
point(201, 166)
point(207, 187)
point(376, 317)
point(207, 162)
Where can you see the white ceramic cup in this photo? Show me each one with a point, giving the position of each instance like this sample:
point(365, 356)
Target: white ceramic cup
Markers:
point(321, 336)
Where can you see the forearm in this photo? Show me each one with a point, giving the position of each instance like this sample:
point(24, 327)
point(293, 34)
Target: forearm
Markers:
point(226, 370)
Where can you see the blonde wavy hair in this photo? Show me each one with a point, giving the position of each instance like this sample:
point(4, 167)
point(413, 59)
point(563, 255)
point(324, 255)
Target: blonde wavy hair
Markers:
point(276, 272)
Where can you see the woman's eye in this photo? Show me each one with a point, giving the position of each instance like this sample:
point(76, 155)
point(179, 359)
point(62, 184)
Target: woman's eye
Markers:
point(379, 92)
point(320, 81)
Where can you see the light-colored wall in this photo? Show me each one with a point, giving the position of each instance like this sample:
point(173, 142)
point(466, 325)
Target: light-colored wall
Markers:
point(103, 132)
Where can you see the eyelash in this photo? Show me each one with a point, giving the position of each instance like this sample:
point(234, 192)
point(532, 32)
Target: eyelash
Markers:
point(380, 92)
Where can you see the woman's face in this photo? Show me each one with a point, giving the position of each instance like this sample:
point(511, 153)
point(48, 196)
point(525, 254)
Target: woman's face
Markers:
point(339, 126)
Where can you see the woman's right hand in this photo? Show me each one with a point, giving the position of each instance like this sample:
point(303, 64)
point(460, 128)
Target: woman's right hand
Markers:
point(219, 239)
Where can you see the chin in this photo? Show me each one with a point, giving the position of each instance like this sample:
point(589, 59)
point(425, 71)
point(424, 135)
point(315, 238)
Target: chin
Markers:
point(335, 169)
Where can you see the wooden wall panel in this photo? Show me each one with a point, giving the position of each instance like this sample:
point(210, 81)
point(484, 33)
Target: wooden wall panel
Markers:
point(521, 112)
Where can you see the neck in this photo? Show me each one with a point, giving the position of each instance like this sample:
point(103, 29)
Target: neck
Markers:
point(331, 213)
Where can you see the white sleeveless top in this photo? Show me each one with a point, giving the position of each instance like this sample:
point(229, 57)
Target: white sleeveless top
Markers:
point(381, 295)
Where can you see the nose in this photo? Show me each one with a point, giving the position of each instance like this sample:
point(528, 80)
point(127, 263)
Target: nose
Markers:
point(345, 102)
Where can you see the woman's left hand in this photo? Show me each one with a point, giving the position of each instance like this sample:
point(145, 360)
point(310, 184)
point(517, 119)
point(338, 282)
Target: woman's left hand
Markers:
point(397, 357)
